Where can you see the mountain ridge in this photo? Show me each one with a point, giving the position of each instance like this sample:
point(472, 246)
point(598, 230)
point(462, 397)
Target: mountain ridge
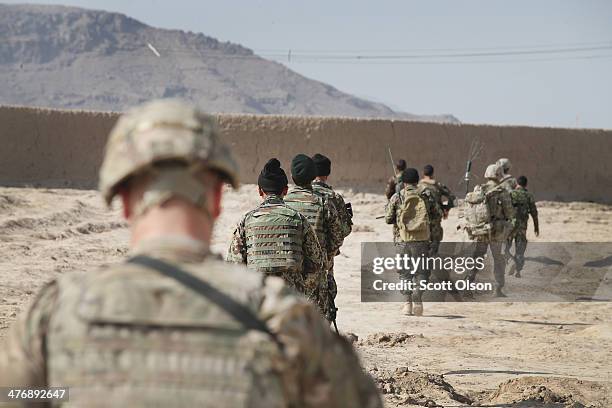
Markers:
point(75, 58)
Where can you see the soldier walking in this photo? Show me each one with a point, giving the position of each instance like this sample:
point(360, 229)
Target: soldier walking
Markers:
point(409, 211)
point(394, 184)
point(442, 201)
point(524, 205)
point(175, 325)
point(323, 217)
point(489, 217)
point(275, 239)
point(345, 212)
point(507, 181)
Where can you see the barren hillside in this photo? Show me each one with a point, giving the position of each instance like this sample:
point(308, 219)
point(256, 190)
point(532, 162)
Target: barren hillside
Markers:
point(68, 57)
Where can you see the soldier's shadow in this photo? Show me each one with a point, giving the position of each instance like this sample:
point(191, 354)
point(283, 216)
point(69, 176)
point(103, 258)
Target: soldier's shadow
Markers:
point(599, 263)
point(544, 260)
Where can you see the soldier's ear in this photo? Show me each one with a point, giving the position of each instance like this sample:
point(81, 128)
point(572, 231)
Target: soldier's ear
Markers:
point(216, 199)
point(126, 203)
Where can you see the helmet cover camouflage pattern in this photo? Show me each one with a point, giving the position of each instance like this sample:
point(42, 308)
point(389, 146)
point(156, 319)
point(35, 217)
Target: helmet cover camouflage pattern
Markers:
point(504, 164)
point(163, 130)
point(493, 172)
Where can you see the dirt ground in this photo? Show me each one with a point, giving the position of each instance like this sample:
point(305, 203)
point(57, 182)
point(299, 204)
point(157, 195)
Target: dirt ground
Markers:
point(510, 354)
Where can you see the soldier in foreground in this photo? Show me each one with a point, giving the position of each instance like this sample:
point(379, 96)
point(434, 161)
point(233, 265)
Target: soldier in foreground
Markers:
point(394, 184)
point(275, 239)
point(524, 205)
point(174, 325)
point(489, 218)
point(409, 211)
point(442, 201)
point(323, 217)
point(507, 181)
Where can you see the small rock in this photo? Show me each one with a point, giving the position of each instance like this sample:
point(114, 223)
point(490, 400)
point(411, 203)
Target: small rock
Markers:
point(560, 327)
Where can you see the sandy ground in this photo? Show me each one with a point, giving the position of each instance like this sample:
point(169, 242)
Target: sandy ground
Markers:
point(490, 354)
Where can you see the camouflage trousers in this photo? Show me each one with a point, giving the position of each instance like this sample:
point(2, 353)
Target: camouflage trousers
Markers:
point(294, 279)
point(481, 245)
point(332, 292)
point(519, 237)
point(414, 249)
point(436, 236)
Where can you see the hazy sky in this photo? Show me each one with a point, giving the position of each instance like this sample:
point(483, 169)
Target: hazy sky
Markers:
point(539, 89)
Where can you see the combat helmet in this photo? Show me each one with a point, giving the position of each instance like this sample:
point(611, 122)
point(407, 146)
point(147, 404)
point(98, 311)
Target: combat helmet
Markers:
point(170, 140)
point(493, 172)
point(505, 164)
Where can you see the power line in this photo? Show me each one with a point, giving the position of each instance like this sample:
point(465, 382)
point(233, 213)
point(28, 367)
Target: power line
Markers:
point(410, 50)
point(292, 56)
point(453, 62)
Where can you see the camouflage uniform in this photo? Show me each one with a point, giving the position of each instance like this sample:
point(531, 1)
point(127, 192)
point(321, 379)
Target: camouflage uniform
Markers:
point(435, 192)
point(502, 214)
point(524, 204)
point(322, 216)
point(128, 335)
point(277, 240)
point(337, 200)
point(412, 248)
point(506, 180)
point(509, 182)
point(346, 222)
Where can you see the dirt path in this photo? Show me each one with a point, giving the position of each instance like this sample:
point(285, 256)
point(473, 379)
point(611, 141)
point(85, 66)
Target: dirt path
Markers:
point(501, 354)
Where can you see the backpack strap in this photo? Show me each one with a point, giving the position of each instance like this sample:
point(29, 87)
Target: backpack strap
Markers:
point(238, 311)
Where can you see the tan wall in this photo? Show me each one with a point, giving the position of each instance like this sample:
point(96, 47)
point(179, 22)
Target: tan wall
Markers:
point(63, 148)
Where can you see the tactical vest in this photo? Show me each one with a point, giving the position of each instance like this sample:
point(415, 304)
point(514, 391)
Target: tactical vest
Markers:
point(129, 337)
point(274, 238)
point(311, 206)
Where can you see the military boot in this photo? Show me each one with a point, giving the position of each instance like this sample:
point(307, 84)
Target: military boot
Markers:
point(407, 309)
point(418, 308)
point(498, 292)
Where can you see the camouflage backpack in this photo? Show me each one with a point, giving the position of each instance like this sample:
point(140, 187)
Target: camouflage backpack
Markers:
point(412, 220)
point(431, 193)
point(478, 217)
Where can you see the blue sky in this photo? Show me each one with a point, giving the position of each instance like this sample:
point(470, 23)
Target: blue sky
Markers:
point(540, 90)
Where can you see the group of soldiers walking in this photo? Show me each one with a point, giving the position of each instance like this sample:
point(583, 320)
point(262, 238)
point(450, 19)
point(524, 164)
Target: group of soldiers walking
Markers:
point(496, 213)
point(296, 233)
point(175, 326)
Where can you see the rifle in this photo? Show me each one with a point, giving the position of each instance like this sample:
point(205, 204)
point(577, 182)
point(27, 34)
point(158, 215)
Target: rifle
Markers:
point(466, 178)
point(392, 162)
point(475, 149)
point(349, 209)
point(332, 309)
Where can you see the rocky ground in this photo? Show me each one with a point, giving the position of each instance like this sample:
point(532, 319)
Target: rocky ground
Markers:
point(508, 354)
